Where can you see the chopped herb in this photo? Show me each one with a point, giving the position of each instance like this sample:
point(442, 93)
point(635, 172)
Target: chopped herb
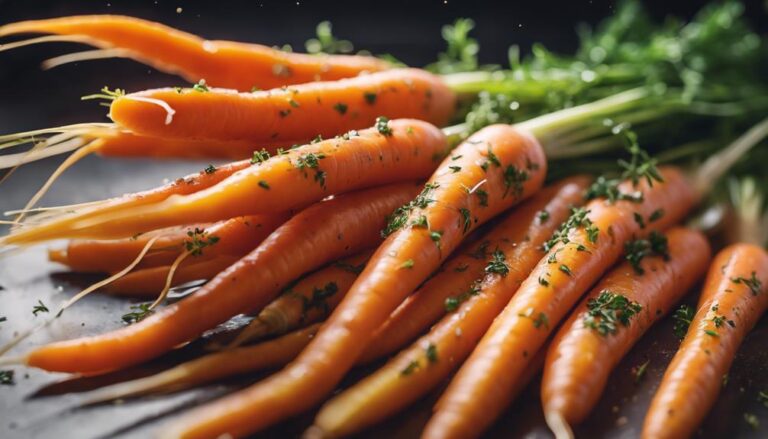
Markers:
point(609, 189)
point(263, 184)
point(431, 353)
point(465, 221)
point(142, 311)
point(6, 377)
point(711, 333)
point(637, 249)
point(210, 169)
point(498, 264)
point(40, 307)
point(317, 139)
point(577, 219)
point(719, 321)
point(752, 282)
point(482, 196)
point(752, 420)
point(640, 165)
point(382, 126)
point(199, 240)
point(639, 371)
point(3, 319)
point(492, 158)
point(341, 108)
point(456, 157)
point(542, 216)
point(201, 87)
point(311, 160)
point(564, 268)
point(514, 179)
point(370, 97)
point(399, 217)
point(452, 303)
point(762, 397)
point(656, 215)
point(410, 368)
point(455, 169)
point(608, 310)
point(260, 157)
point(543, 282)
point(541, 320)
point(284, 113)
point(639, 220)
point(293, 103)
point(682, 320)
point(407, 264)
point(435, 236)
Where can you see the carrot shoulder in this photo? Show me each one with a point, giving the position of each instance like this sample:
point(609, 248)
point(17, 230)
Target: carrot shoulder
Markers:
point(733, 299)
point(321, 233)
point(516, 244)
point(590, 343)
point(221, 63)
point(301, 112)
point(507, 164)
point(481, 388)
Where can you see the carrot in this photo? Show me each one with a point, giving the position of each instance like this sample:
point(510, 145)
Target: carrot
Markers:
point(507, 164)
point(517, 241)
point(221, 63)
point(590, 242)
point(321, 233)
point(395, 151)
point(310, 300)
point(265, 355)
point(520, 233)
point(300, 112)
point(733, 299)
point(233, 237)
point(610, 319)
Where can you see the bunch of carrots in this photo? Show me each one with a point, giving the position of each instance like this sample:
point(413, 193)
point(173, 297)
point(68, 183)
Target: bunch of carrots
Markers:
point(359, 227)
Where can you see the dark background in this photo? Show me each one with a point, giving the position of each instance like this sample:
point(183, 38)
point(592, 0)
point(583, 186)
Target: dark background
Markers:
point(43, 405)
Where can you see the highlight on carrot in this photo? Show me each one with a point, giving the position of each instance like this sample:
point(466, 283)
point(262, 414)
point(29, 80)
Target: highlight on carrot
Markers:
point(265, 355)
point(392, 151)
point(515, 245)
point(225, 64)
point(309, 300)
point(507, 164)
point(733, 299)
point(324, 232)
point(612, 317)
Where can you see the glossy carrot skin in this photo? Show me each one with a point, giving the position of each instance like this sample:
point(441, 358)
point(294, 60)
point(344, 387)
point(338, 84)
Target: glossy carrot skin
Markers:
point(324, 232)
point(309, 300)
point(481, 389)
point(411, 151)
point(580, 360)
point(692, 381)
point(520, 233)
point(236, 237)
point(407, 257)
point(301, 112)
point(520, 237)
point(221, 63)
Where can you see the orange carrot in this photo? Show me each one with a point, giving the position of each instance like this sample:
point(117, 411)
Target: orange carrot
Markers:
point(733, 299)
point(300, 112)
point(608, 322)
point(520, 233)
point(265, 355)
point(310, 300)
point(591, 242)
point(517, 241)
point(398, 150)
point(221, 63)
point(233, 237)
point(507, 164)
point(321, 233)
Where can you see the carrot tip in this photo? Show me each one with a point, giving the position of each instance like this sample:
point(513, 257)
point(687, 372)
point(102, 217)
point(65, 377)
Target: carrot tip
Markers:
point(559, 427)
point(315, 432)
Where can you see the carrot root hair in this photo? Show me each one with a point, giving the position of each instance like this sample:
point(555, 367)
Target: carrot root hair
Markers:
point(86, 55)
point(558, 425)
point(49, 39)
point(169, 279)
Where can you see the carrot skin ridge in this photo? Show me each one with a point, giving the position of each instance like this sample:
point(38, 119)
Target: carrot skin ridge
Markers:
point(574, 378)
point(307, 241)
point(481, 389)
point(221, 63)
point(384, 283)
point(693, 379)
point(301, 112)
point(520, 236)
